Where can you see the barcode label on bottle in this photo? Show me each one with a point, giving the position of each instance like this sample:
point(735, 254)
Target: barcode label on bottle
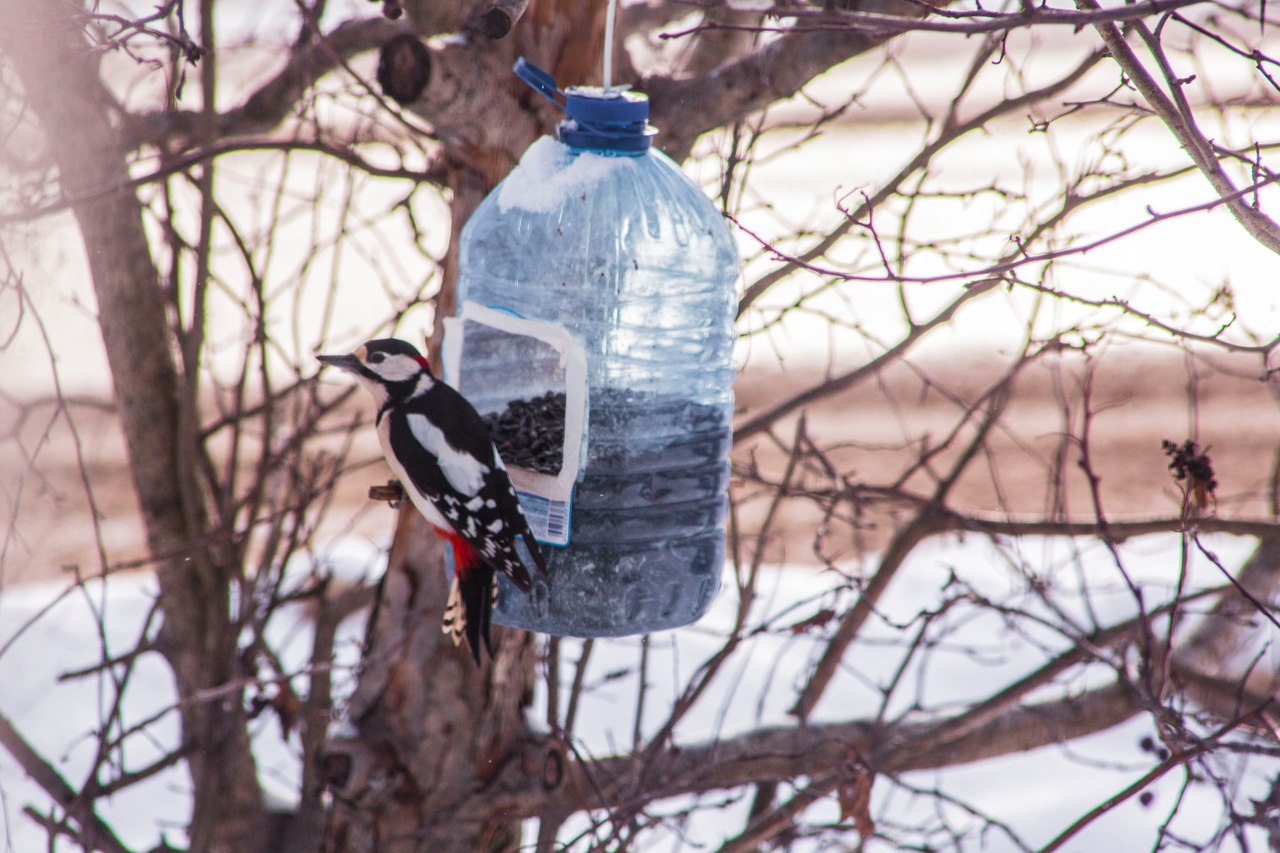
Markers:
point(548, 519)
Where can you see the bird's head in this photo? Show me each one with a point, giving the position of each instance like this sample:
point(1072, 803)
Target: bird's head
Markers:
point(390, 368)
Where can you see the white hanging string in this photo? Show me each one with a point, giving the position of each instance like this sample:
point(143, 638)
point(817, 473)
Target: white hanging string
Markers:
point(609, 18)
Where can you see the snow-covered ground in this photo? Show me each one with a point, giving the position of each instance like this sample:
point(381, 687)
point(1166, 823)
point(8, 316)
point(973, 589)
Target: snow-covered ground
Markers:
point(47, 631)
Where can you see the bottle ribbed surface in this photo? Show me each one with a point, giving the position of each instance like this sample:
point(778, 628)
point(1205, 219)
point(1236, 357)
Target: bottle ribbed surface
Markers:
point(631, 257)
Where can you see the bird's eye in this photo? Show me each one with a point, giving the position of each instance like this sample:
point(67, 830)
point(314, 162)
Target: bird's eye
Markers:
point(376, 357)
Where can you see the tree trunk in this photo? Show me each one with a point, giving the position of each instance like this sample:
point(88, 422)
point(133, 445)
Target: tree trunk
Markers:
point(431, 727)
point(56, 66)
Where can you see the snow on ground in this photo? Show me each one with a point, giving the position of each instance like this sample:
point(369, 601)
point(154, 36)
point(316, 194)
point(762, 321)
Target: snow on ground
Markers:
point(46, 630)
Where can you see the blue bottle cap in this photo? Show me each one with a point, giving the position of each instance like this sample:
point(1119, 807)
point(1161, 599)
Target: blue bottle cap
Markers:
point(600, 119)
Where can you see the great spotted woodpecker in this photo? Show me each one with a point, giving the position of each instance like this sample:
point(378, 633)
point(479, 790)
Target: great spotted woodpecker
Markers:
point(440, 449)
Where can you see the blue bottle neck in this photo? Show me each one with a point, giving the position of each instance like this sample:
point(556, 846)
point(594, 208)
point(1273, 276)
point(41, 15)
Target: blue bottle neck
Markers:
point(606, 121)
point(604, 152)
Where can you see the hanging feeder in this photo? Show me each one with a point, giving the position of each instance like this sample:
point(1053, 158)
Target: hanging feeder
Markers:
point(595, 333)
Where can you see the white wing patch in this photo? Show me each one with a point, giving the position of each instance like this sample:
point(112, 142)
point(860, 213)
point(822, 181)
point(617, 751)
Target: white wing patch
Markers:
point(463, 471)
point(421, 501)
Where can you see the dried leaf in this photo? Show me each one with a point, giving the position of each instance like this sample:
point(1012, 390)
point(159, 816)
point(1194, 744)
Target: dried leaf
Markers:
point(853, 792)
point(1193, 468)
point(287, 707)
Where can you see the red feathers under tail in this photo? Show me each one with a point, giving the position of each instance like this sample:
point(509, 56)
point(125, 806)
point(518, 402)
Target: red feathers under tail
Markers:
point(470, 605)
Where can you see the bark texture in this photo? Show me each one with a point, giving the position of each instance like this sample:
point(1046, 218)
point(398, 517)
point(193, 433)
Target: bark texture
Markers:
point(431, 729)
point(60, 76)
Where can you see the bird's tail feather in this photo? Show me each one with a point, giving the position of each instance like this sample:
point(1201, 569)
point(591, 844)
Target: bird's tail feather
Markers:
point(455, 620)
point(469, 609)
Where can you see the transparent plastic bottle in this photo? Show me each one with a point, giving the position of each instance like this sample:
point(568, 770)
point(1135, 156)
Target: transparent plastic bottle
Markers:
point(601, 233)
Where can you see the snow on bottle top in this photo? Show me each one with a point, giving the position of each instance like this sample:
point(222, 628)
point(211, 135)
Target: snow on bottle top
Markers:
point(550, 172)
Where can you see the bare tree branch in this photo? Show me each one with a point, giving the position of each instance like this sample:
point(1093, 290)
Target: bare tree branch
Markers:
point(766, 419)
point(94, 834)
point(687, 108)
point(959, 22)
point(793, 752)
point(215, 281)
point(274, 100)
point(1178, 117)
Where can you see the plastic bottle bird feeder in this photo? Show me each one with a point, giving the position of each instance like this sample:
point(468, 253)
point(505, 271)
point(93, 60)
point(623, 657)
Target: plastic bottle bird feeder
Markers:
point(595, 332)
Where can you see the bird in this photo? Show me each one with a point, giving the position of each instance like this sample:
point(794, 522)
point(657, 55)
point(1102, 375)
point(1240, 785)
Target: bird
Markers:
point(440, 449)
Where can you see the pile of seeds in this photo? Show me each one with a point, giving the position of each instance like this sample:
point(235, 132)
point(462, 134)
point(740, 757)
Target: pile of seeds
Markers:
point(530, 433)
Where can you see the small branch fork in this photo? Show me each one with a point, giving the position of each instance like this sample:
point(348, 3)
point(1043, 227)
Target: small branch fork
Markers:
point(93, 833)
point(1176, 113)
point(960, 22)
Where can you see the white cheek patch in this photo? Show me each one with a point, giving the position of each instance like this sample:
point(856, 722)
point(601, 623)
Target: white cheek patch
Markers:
point(396, 368)
point(463, 471)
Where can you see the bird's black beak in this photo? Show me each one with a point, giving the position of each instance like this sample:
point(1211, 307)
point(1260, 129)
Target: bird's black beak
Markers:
point(346, 362)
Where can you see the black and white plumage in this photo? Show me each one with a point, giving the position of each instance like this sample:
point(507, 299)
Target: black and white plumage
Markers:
point(441, 451)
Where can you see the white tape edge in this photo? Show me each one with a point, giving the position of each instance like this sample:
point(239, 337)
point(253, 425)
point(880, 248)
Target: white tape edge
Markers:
point(573, 358)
